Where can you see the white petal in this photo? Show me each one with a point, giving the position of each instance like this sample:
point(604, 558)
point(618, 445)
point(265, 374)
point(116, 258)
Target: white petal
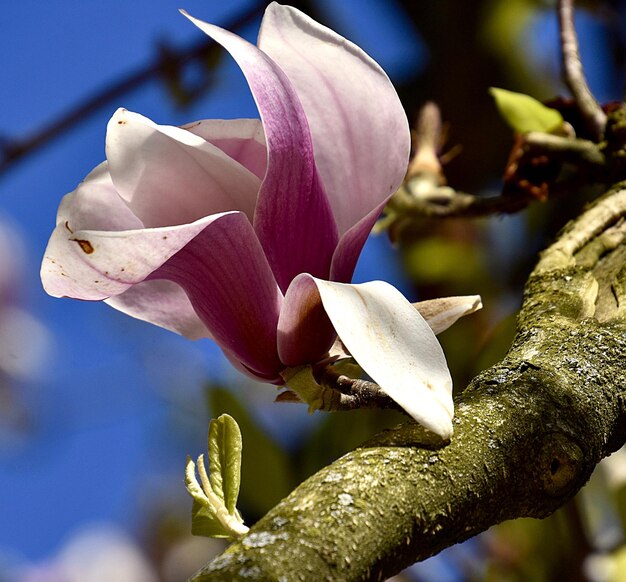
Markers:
point(441, 313)
point(96, 205)
point(393, 343)
point(169, 176)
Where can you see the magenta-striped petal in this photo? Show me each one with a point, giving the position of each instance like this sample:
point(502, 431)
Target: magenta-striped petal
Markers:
point(350, 246)
point(305, 334)
point(360, 131)
point(293, 218)
point(170, 176)
point(228, 280)
point(95, 265)
point(241, 139)
point(162, 303)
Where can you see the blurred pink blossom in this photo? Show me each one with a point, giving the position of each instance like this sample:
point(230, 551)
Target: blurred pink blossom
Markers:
point(24, 341)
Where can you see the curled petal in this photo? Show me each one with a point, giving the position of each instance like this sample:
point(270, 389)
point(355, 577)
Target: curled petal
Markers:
point(94, 265)
point(360, 132)
point(391, 341)
point(441, 313)
point(305, 334)
point(293, 218)
point(241, 139)
point(96, 205)
point(170, 176)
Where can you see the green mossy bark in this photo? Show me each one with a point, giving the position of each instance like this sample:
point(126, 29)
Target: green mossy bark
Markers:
point(528, 434)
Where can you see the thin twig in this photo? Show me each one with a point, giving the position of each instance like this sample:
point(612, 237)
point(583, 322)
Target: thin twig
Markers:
point(579, 151)
point(592, 113)
point(459, 204)
point(13, 150)
point(354, 393)
point(421, 196)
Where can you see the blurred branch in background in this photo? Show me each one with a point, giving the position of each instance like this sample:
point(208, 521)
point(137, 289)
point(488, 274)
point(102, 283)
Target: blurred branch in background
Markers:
point(528, 175)
point(591, 112)
point(541, 164)
point(168, 67)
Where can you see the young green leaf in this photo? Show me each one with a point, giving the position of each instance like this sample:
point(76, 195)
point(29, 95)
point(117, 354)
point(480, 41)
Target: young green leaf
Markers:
point(205, 523)
point(524, 113)
point(269, 470)
point(214, 512)
point(225, 459)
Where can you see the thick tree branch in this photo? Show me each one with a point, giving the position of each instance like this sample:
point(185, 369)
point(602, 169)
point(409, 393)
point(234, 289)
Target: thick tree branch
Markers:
point(528, 433)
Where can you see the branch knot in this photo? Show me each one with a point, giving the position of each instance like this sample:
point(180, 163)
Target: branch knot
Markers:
point(561, 465)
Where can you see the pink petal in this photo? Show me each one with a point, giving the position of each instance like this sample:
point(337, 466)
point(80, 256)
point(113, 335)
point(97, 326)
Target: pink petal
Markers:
point(94, 265)
point(305, 334)
point(241, 139)
point(360, 132)
point(270, 377)
point(170, 176)
point(162, 303)
point(227, 278)
point(293, 218)
point(350, 246)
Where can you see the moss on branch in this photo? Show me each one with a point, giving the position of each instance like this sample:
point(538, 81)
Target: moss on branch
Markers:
point(528, 434)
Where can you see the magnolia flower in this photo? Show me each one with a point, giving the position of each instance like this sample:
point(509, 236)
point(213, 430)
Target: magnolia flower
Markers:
point(248, 231)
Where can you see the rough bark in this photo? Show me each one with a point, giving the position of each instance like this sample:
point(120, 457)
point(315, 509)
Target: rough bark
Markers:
point(528, 434)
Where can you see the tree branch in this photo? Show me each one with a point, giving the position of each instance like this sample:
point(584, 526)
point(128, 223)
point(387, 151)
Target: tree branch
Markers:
point(592, 113)
point(426, 195)
point(528, 433)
